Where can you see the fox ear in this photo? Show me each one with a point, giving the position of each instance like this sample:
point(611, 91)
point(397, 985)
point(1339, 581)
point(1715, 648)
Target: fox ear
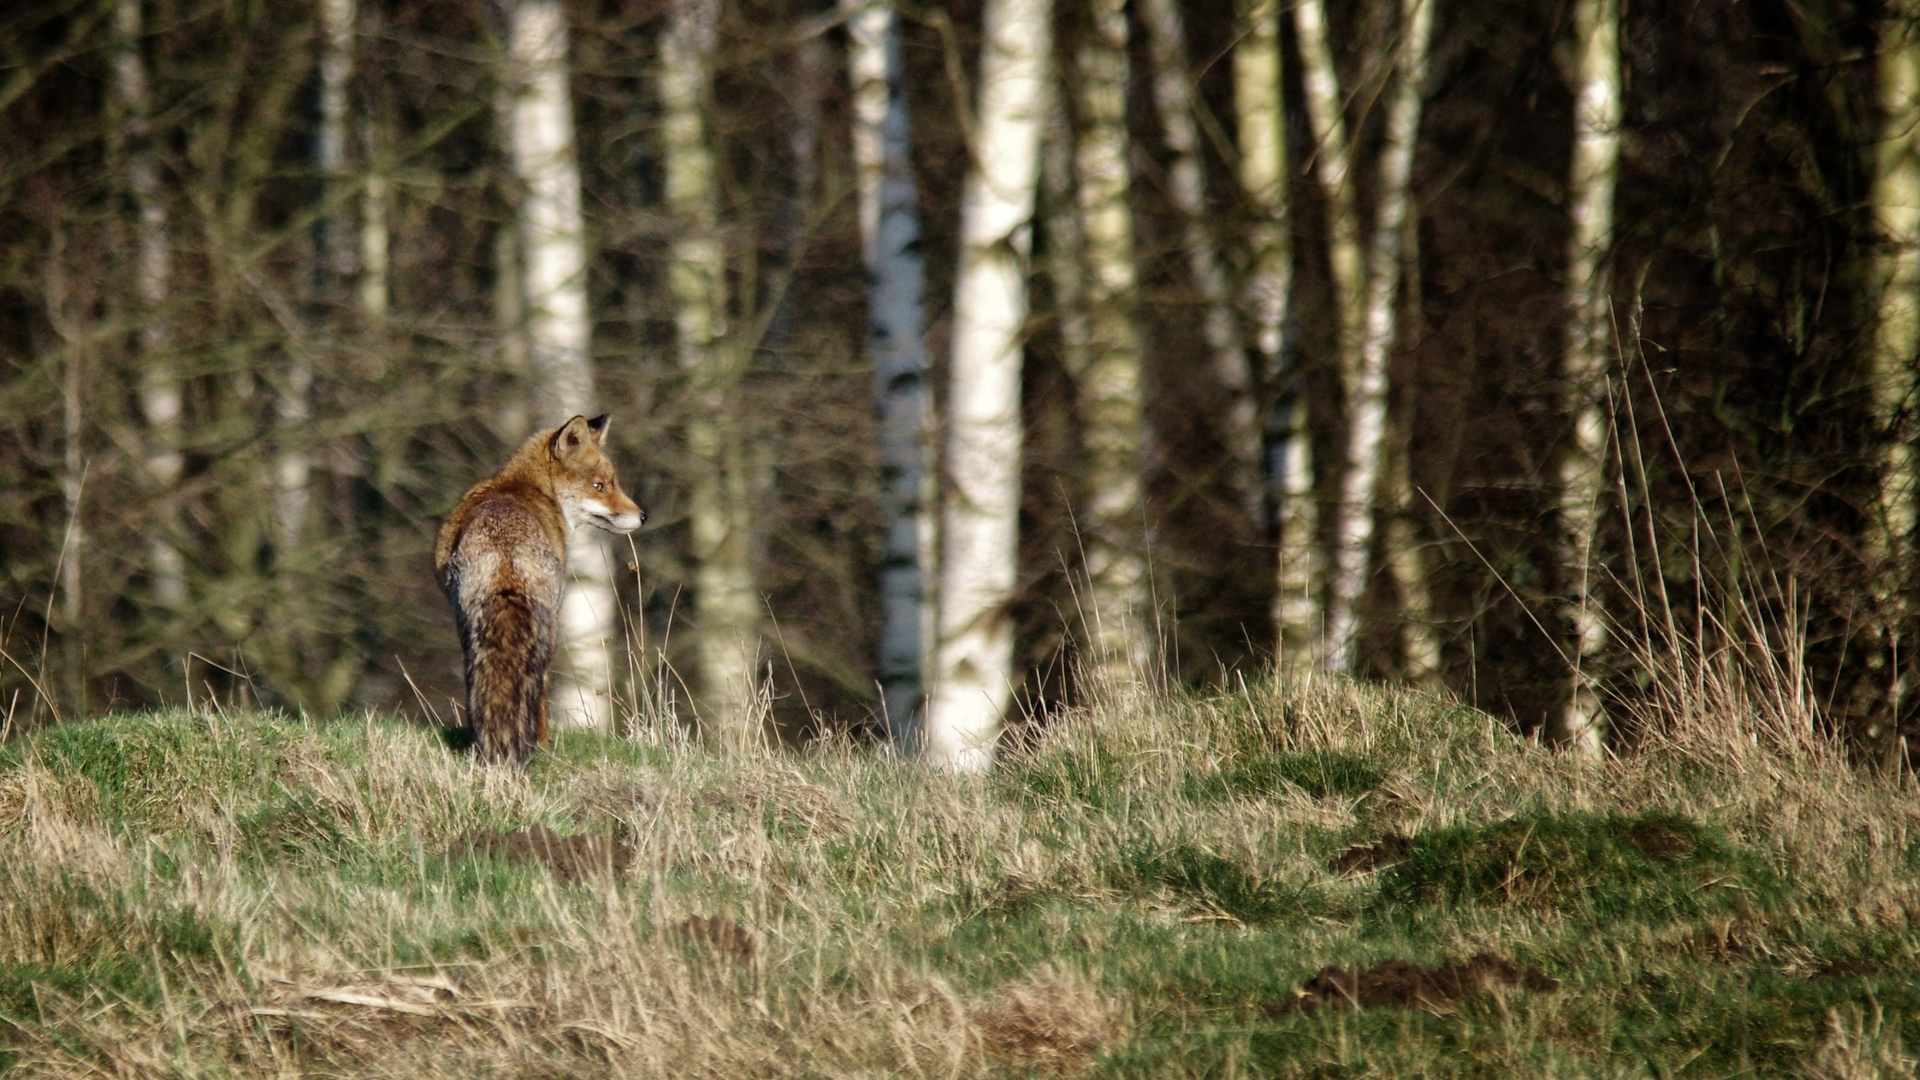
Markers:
point(572, 435)
point(598, 425)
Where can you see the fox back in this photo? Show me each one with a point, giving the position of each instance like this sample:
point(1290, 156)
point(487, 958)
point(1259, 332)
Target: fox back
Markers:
point(502, 558)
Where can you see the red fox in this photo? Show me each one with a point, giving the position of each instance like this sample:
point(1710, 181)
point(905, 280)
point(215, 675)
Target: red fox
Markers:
point(502, 558)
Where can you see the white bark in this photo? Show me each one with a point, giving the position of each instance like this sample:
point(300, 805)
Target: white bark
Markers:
point(980, 516)
point(1261, 118)
point(1896, 207)
point(554, 288)
point(896, 285)
point(1331, 168)
point(1596, 156)
point(1176, 103)
point(375, 233)
point(160, 400)
point(1103, 344)
point(720, 491)
point(1406, 551)
point(1360, 482)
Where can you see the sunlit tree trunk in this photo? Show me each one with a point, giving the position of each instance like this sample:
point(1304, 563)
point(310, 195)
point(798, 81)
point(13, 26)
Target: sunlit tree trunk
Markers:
point(719, 489)
point(333, 265)
point(1361, 491)
point(159, 389)
point(1406, 551)
point(375, 233)
point(1596, 157)
point(553, 265)
point(1332, 171)
point(1104, 352)
point(1261, 116)
point(1175, 100)
point(973, 680)
point(896, 272)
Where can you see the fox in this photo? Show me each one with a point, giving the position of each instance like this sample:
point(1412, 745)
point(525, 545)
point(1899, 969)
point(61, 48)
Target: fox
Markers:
point(501, 557)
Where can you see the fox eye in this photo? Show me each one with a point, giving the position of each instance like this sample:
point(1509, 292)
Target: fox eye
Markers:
point(598, 486)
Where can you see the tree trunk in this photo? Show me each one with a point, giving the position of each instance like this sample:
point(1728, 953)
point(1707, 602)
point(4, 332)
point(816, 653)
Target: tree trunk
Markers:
point(1361, 493)
point(553, 260)
point(1303, 584)
point(973, 682)
point(1261, 114)
point(1406, 549)
point(719, 487)
point(1105, 358)
point(896, 276)
point(160, 400)
point(1596, 156)
point(1174, 97)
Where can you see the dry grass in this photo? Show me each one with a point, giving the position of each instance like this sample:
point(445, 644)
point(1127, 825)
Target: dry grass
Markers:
point(248, 895)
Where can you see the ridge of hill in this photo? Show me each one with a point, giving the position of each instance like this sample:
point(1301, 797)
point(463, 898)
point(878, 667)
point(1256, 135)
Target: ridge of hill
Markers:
point(1317, 880)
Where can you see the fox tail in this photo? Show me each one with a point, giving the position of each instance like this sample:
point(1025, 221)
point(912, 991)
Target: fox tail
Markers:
point(508, 650)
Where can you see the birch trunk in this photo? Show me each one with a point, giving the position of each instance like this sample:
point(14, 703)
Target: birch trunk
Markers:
point(333, 264)
point(1261, 116)
point(1304, 588)
point(1107, 365)
point(1361, 494)
point(1896, 207)
point(896, 286)
point(1175, 101)
point(973, 682)
point(160, 400)
point(1406, 550)
point(719, 491)
point(553, 281)
point(1596, 156)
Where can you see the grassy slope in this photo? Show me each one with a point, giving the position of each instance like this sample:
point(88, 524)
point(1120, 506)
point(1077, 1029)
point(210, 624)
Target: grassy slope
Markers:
point(1141, 896)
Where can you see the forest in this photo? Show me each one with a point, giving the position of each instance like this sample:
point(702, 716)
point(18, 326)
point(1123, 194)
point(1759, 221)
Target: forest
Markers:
point(971, 359)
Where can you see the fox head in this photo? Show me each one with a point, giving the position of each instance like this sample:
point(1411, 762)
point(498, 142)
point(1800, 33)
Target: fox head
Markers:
point(583, 480)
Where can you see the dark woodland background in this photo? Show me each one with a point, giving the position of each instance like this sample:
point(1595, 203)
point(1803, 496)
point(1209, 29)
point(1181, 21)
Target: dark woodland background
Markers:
point(1743, 296)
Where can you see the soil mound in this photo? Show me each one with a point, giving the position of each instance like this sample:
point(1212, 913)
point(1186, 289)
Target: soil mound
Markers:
point(719, 933)
point(1399, 982)
point(568, 858)
point(1363, 857)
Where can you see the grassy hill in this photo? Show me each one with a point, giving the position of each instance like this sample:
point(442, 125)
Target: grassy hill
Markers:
point(1329, 881)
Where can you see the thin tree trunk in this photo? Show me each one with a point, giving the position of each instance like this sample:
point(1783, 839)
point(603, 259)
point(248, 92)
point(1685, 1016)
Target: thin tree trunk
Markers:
point(1596, 156)
point(1261, 114)
point(1406, 552)
point(719, 489)
point(160, 401)
point(375, 233)
point(1361, 493)
point(1303, 592)
point(61, 312)
point(1896, 207)
point(1174, 97)
point(980, 514)
point(1104, 351)
point(896, 274)
point(553, 257)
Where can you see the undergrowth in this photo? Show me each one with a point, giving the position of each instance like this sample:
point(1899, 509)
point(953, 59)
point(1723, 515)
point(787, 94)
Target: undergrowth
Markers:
point(1149, 890)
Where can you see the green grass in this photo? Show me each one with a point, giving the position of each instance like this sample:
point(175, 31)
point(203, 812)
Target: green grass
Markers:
point(1140, 894)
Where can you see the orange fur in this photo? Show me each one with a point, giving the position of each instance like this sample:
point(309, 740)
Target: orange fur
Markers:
point(501, 556)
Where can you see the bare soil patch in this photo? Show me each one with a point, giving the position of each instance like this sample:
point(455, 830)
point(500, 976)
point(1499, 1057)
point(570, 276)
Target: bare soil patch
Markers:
point(568, 858)
point(1658, 841)
point(719, 933)
point(1361, 858)
point(1406, 984)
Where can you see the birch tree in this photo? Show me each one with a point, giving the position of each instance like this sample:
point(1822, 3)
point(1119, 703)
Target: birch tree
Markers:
point(159, 389)
point(552, 246)
point(1261, 116)
point(1175, 102)
point(333, 264)
point(973, 680)
point(719, 483)
point(1595, 168)
point(896, 286)
point(1361, 493)
point(1104, 349)
point(1305, 578)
